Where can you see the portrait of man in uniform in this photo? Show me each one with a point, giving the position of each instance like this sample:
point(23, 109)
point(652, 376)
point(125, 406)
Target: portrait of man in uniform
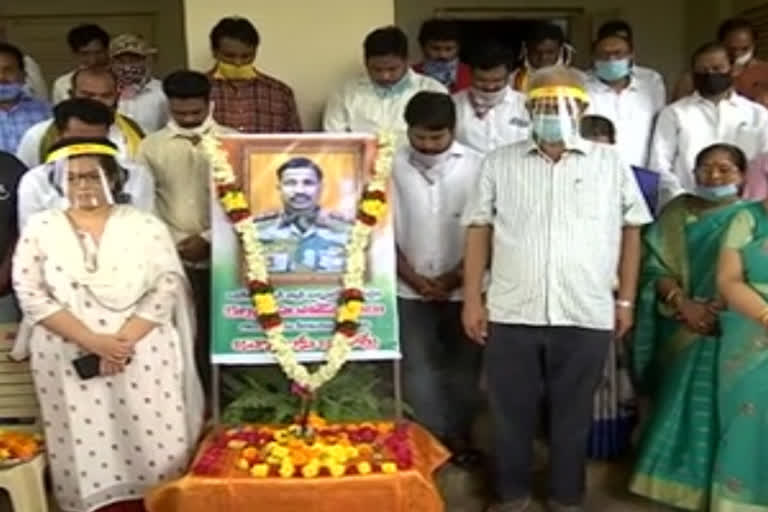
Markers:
point(302, 237)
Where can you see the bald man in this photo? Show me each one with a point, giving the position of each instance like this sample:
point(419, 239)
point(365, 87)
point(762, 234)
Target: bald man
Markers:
point(92, 83)
point(550, 292)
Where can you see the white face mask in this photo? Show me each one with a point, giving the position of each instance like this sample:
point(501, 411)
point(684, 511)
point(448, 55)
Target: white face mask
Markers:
point(744, 59)
point(197, 131)
point(488, 98)
point(428, 160)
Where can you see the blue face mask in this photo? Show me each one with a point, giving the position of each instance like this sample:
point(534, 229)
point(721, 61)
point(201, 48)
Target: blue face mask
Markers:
point(443, 71)
point(10, 91)
point(548, 128)
point(612, 70)
point(717, 193)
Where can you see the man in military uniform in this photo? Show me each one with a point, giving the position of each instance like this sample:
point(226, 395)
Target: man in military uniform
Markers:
point(302, 237)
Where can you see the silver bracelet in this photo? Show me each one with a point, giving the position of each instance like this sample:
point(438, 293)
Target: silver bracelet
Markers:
point(624, 304)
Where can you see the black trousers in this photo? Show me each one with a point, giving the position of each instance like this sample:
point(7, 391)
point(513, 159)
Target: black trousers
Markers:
point(200, 280)
point(567, 363)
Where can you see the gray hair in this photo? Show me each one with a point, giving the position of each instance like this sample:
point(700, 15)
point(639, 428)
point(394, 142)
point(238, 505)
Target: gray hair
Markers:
point(556, 75)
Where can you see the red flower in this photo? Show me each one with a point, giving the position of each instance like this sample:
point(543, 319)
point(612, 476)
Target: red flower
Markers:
point(375, 194)
point(225, 188)
point(349, 294)
point(366, 219)
point(259, 287)
point(238, 215)
point(270, 321)
point(348, 329)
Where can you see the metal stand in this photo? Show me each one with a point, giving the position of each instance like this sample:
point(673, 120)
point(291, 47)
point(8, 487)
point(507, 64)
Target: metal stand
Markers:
point(397, 386)
point(216, 392)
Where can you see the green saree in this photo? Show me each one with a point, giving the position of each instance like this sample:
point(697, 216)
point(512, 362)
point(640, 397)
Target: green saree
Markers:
point(740, 480)
point(675, 366)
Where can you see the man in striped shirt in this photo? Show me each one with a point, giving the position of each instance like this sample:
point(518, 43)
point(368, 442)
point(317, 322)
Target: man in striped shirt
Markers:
point(564, 214)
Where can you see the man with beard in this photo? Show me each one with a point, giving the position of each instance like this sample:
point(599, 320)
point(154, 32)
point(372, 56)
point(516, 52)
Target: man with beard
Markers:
point(92, 83)
point(303, 237)
point(376, 101)
point(433, 178)
point(439, 40)
point(182, 195)
point(18, 110)
point(141, 95)
point(490, 113)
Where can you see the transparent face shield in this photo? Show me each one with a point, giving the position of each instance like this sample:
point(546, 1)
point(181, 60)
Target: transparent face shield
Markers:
point(82, 182)
point(556, 112)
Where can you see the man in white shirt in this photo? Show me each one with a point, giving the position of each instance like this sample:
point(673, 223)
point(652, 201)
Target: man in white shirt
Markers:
point(714, 113)
point(182, 194)
point(433, 178)
point(376, 102)
point(141, 95)
point(618, 93)
point(34, 81)
point(490, 113)
point(561, 215)
point(89, 44)
point(88, 119)
point(97, 84)
point(652, 79)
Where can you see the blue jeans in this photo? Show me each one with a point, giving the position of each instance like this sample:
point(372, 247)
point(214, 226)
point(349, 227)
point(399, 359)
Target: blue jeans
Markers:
point(440, 367)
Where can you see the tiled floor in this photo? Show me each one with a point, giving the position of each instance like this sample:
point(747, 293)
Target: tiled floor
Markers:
point(606, 491)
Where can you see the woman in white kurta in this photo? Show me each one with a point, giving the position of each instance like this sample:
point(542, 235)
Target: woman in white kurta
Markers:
point(103, 278)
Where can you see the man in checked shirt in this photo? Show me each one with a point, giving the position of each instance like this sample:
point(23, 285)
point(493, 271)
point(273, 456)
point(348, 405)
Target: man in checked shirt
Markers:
point(244, 98)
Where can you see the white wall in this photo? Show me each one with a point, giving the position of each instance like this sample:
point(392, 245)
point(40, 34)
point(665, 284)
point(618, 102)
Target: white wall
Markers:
point(311, 45)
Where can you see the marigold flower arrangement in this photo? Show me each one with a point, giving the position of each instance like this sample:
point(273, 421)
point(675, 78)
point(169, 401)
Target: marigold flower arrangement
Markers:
point(371, 209)
point(316, 450)
point(18, 446)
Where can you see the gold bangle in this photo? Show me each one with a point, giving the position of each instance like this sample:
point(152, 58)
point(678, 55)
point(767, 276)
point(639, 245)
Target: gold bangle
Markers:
point(763, 316)
point(672, 295)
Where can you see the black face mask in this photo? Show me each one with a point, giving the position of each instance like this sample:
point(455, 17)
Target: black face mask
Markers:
point(712, 84)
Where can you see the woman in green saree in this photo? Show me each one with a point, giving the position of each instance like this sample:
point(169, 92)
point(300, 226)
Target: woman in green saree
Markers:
point(740, 480)
point(675, 342)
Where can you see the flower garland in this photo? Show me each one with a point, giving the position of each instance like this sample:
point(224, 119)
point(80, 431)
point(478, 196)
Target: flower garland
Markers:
point(371, 208)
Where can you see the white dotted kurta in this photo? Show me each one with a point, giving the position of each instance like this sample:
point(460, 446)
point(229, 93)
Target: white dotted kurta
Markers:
point(109, 438)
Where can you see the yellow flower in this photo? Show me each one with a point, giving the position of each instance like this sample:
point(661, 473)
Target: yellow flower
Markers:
point(260, 470)
point(234, 200)
point(350, 312)
point(281, 436)
point(311, 470)
point(389, 468)
point(286, 469)
point(265, 303)
point(352, 452)
point(243, 464)
point(363, 468)
point(337, 470)
point(236, 444)
point(373, 207)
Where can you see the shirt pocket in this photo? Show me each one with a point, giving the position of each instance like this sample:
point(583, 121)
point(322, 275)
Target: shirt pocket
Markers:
point(585, 199)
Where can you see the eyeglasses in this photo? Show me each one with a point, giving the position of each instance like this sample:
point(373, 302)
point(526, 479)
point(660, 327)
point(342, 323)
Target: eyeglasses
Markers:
point(89, 178)
point(722, 169)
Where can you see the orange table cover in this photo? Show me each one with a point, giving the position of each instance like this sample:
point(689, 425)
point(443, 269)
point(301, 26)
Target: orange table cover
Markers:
point(412, 490)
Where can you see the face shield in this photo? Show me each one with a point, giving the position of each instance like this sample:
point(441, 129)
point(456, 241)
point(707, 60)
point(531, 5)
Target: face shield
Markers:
point(556, 112)
point(82, 183)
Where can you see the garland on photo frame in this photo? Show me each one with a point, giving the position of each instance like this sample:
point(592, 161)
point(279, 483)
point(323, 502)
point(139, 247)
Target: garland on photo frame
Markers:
point(371, 208)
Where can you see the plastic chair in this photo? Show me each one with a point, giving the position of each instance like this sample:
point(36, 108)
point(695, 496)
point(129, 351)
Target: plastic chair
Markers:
point(24, 482)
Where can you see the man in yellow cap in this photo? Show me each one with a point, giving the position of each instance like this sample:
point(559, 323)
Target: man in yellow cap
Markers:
point(141, 95)
point(561, 215)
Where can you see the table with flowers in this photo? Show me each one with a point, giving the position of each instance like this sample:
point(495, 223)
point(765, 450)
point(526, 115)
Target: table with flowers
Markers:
point(320, 467)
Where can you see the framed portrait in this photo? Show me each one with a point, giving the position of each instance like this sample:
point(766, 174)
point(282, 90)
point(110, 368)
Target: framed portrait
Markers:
point(302, 192)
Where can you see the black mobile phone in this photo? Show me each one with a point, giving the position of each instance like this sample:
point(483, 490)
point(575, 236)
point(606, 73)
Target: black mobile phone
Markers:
point(87, 366)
